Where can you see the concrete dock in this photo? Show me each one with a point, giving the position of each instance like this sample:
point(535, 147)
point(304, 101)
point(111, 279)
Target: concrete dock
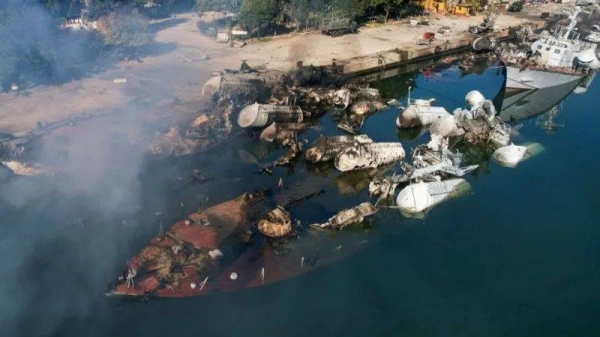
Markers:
point(406, 55)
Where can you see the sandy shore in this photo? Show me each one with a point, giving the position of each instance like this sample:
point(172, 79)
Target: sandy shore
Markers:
point(168, 84)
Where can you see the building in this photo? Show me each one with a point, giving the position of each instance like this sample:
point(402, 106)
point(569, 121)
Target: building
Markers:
point(457, 7)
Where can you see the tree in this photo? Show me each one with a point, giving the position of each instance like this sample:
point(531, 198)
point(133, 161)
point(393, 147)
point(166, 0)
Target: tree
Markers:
point(349, 8)
point(385, 5)
point(215, 5)
point(259, 14)
point(299, 10)
point(124, 28)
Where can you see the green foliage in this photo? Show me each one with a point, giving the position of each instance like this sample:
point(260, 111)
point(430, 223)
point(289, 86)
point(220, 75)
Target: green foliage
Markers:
point(124, 29)
point(215, 5)
point(259, 14)
point(386, 5)
point(300, 11)
point(516, 6)
point(349, 8)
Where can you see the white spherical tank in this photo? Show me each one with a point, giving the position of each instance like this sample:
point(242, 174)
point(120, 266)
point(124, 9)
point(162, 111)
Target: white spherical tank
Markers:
point(588, 59)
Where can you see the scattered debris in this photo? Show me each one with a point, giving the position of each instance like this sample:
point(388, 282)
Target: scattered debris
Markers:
point(420, 112)
point(484, 43)
point(327, 148)
point(215, 254)
point(349, 216)
point(258, 115)
point(489, 21)
point(278, 223)
point(368, 155)
point(511, 155)
point(416, 199)
point(427, 165)
point(393, 102)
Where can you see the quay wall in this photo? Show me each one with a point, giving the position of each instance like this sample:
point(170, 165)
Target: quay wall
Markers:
point(405, 55)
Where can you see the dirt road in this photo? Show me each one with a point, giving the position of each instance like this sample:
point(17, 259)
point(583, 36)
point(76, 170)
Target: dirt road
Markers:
point(167, 84)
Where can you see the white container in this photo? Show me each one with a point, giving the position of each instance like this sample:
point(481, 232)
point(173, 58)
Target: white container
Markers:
point(422, 196)
point(511, 155)
point(369, 155)
point(258, 115)
point(419, 115)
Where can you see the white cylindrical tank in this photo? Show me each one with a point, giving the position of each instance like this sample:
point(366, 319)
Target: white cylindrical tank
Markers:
point(369, 155)
point(258, 115)
point(422, 196)
point(211, 86)
point(419, 115)
point(511, 155)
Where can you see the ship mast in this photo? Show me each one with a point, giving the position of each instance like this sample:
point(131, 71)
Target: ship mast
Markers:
point(572, 22)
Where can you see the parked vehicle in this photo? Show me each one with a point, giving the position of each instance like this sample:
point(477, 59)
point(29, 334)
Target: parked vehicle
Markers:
point(339, 27)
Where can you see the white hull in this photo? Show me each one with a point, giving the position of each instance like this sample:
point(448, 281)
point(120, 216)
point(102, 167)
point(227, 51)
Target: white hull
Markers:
point(522, 104)
point(529, 79)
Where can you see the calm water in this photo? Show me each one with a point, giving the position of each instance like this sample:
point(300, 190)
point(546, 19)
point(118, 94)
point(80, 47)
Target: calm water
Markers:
point(520, 256)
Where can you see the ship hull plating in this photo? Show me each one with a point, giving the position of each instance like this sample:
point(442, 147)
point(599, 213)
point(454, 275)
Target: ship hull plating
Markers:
point(531, 92)
point(530, 79)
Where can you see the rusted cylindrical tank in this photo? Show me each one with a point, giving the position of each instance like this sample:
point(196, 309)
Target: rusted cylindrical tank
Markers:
point(368, 155)
point(416, 115)
point(258, 115)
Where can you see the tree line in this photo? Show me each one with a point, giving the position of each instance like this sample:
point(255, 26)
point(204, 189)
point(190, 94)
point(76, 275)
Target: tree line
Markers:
point(260, 15)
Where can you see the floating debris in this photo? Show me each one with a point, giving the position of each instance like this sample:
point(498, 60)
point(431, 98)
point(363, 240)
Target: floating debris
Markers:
point(278, 223)
point(349, 216)
point(427, 165)
point(215, 254)
point(511, 155)
point(383, 187)
point(420, 113)
point(393, 102)
point(368, 155)
point(327, 148)
point(258, 115)
point(416, 199)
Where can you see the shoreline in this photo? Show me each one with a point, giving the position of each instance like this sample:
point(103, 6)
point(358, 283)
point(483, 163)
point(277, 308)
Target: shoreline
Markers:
point(167, 86)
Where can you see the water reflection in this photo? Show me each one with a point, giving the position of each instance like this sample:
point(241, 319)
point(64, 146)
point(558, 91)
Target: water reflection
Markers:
point(519, 104)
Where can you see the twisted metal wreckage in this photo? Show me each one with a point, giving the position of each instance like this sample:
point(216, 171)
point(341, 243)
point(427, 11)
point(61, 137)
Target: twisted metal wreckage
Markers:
point(249, 241)
point(253, 239)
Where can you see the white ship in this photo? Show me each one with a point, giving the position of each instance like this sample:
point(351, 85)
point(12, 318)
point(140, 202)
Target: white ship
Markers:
point(545, 75)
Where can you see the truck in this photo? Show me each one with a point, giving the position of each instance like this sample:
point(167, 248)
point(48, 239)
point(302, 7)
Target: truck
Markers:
point(339, 27)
